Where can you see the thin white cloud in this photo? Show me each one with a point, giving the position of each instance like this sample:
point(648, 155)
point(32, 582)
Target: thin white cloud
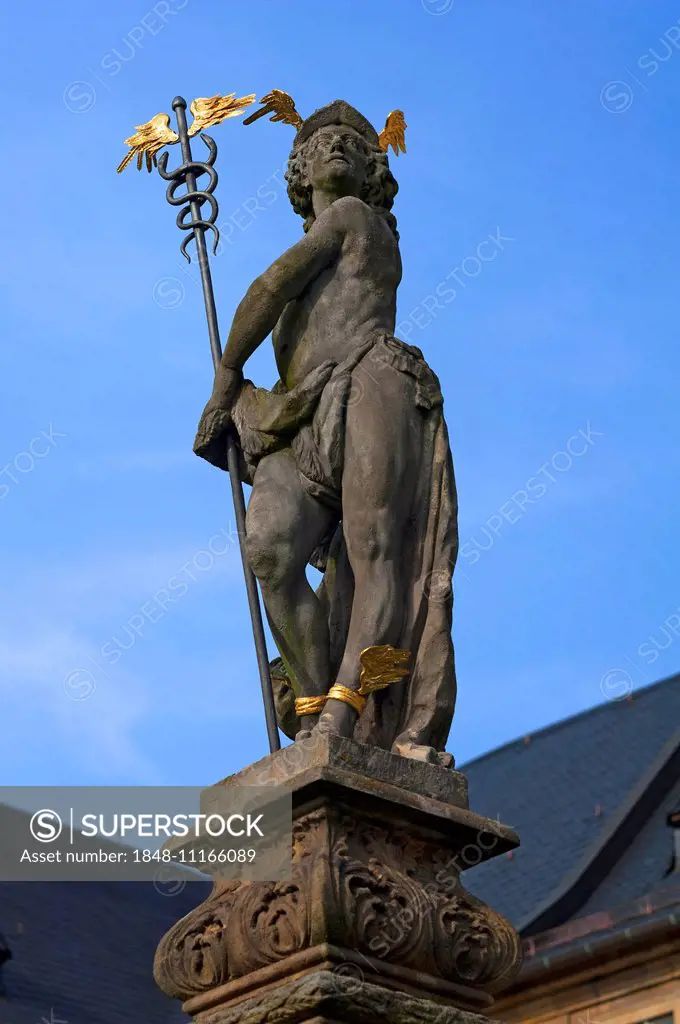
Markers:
point(61, 698)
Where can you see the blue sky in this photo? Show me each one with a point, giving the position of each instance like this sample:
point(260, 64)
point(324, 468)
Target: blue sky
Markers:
point(547, 131)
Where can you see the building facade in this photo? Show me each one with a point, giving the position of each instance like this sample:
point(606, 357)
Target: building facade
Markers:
point(595, 887)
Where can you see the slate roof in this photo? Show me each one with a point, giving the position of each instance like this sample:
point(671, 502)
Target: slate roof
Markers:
point(82, 952)
point(561, 789)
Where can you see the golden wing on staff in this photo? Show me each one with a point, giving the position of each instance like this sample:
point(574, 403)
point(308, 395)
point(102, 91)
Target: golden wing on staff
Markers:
point(394, 132)
point(211, 110)
point(281, 106)
point(381, 666)
point(148, 139)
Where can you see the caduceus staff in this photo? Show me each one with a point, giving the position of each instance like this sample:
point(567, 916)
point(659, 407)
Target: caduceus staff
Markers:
point(145, 144)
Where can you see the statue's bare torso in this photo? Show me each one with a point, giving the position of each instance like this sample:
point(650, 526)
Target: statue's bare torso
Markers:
point(348, 302)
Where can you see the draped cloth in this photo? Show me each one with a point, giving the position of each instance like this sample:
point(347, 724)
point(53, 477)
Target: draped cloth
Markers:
point(419, 709)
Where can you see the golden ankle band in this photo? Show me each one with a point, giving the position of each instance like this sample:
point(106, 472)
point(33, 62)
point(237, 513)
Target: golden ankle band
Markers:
point(309, 705)
point(347, 696)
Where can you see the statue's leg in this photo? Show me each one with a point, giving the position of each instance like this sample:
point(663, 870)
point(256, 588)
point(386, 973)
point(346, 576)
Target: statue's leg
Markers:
point(383, 442)
point(283, 526)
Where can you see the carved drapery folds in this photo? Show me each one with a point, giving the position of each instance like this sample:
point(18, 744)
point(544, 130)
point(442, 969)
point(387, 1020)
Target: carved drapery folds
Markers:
point(386, 890)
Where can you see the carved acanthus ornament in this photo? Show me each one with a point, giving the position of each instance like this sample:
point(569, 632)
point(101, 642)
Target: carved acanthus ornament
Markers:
point(380, 889)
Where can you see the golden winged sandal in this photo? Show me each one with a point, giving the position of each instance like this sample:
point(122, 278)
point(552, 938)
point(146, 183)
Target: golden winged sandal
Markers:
point(381, 666)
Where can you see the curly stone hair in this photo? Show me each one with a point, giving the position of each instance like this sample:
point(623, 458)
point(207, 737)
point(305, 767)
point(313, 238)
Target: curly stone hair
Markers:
point(378, 192)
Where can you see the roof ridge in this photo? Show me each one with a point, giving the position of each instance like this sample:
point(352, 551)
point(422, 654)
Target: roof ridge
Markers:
point(560, 723)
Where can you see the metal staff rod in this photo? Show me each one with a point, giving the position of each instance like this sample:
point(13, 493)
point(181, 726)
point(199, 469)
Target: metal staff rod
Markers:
point(195, 201)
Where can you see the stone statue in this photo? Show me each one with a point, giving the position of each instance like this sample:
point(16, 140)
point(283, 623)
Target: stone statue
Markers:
point(348, 457)
point(351, 472)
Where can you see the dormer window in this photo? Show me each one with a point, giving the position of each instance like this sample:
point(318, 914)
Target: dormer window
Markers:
point(5, 954)
point(674, 823)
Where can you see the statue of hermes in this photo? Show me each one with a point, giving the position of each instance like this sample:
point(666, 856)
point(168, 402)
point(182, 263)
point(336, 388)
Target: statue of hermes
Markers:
point(348, 456)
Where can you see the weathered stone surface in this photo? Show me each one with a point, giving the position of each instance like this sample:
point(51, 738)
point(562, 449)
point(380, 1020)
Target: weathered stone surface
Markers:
point(376, 875)
point(385, 891)
point(352, 472)
point(348, 456)
point(408, 791)
point(328, 996)
point(325, 755)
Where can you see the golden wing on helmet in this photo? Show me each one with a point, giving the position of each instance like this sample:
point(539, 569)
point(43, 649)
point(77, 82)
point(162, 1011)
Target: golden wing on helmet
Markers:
point(211, 110)
point(281, 106)
point(381, 666)
point(148, 139)
point(393, 134)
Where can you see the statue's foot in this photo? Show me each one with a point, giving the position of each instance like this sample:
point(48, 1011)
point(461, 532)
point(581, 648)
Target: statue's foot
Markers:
point(308, 722)
point(337, 718)
point(420, 752)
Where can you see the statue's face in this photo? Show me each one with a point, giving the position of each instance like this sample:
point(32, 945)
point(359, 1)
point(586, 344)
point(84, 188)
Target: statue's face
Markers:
point(336, 160)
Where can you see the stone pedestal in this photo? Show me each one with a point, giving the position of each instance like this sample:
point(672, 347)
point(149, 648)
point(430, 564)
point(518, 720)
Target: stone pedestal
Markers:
point(374, 924)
